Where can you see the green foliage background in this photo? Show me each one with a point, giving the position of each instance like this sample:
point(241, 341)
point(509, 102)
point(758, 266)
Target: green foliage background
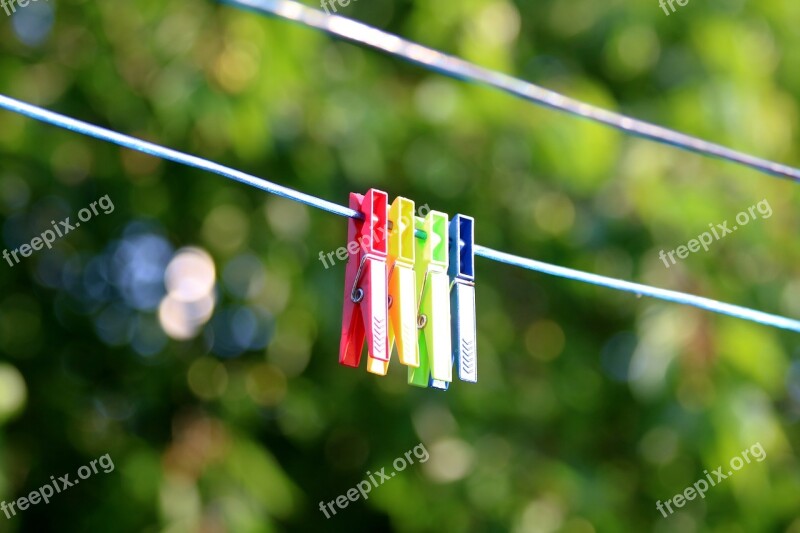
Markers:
point(591, 405)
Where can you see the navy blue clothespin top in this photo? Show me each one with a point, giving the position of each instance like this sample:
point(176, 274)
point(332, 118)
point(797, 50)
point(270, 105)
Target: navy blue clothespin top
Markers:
point(461, 271)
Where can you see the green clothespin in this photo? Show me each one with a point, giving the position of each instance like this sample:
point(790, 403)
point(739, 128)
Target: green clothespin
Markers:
point(433, 316)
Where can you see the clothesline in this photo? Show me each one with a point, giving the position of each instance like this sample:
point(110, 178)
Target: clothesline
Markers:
point(162, 152)
point(455, 67)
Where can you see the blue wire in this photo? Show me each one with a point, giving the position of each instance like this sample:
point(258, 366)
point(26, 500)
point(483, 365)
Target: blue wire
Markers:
point(641, 290)
point(172, 155)
point(120, 139)
point(458, 68)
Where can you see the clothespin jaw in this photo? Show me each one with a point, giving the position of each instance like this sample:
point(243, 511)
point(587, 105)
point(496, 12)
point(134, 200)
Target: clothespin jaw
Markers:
point(462, 296)
point(365, 288)
point(433, 316)
point(402, 287)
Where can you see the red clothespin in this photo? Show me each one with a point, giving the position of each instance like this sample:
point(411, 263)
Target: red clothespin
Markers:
point(365, 315)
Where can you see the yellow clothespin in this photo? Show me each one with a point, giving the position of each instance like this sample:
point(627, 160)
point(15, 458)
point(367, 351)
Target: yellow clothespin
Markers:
point(433, 284)
point(402, 287)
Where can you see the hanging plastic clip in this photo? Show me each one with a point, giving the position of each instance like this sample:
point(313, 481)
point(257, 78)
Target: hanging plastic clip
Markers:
point(433, 316)
point(461, 271)
point(365, 283)
point(462, 296)
point(402, 288)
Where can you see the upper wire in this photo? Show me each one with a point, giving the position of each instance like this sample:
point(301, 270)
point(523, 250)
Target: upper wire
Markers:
point(455, 67)
point(155, 150)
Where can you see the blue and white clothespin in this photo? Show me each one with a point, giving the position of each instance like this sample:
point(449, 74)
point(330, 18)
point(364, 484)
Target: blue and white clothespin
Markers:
point(461, 270)
point(462, 297)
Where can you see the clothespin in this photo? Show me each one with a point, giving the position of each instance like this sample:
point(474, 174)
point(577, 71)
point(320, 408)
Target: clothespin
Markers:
point(365, 282)
point(461, 271)
point(462, 296)
point(433, 316)
point(402, 288)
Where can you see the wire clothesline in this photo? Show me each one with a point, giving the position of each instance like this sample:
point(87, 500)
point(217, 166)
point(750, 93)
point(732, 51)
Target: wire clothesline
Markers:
point(162, 152)
point(455, 67)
